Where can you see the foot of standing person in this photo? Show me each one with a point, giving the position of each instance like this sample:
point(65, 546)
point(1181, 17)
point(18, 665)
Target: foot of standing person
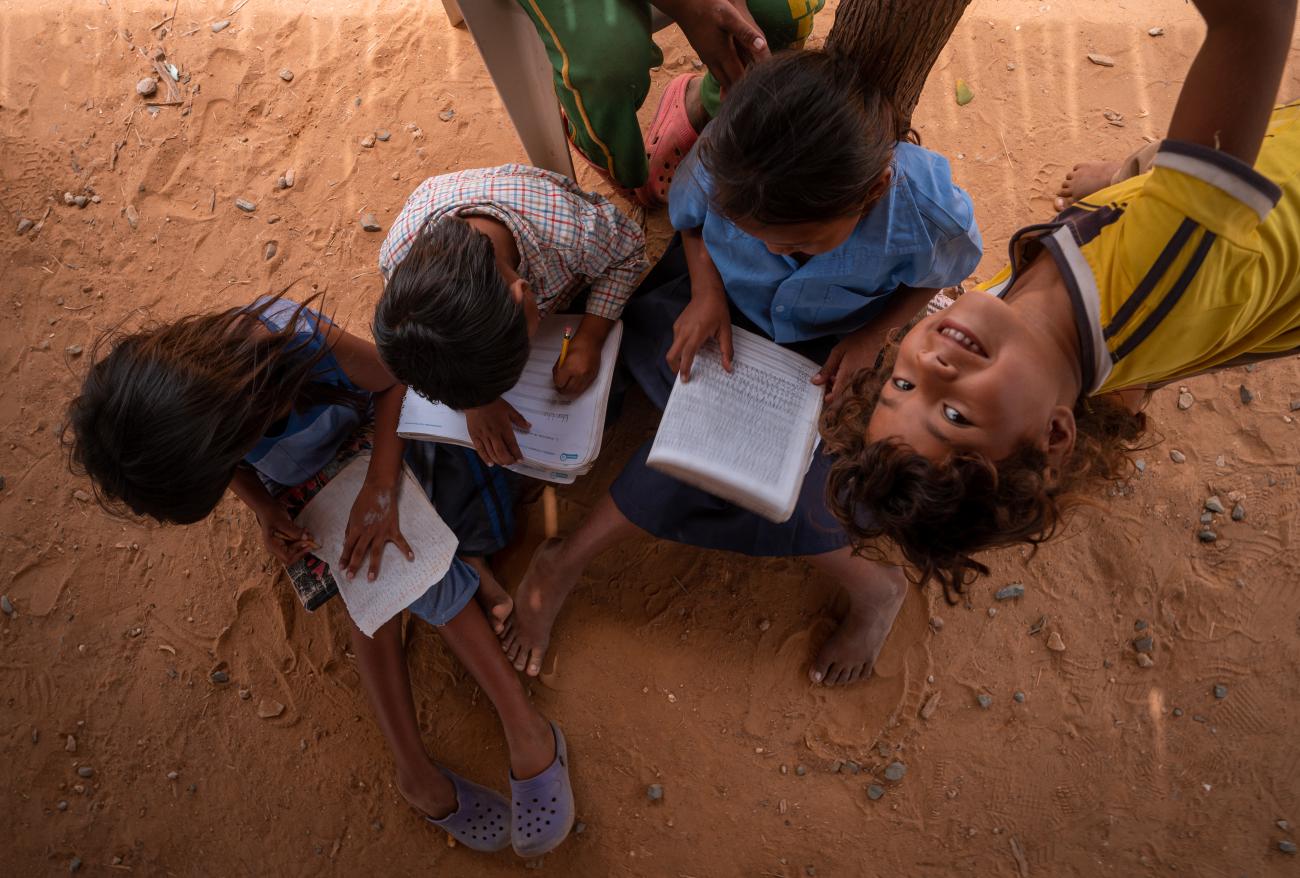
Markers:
point(1085, 179)
point(491, 595)
point(538, 599)
point(851, 651)
point(694, 106)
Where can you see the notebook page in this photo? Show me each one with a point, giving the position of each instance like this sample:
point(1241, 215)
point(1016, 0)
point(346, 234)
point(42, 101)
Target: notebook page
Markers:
point(752, 430)
point(565, 433)
point(400, 582)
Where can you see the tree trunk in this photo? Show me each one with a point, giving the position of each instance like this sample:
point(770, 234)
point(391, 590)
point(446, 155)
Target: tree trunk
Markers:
point(898, 42)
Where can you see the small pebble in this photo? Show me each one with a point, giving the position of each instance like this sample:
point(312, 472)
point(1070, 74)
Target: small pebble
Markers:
point(368, 141)
point(447, 115)
point(147, 87)
point(800, 770)
point(1197, 718)
point(1206, 535)
point(220, 677)
point(1284, 825)
point(784, 770)
point(85, 771)
point(1238, 512)
point(1214, 504)
point(71, 745)
point(269, 708)
point(245, 694)
point(1014, 590)
point(1185, 400)
point(1220, 461)
point(270, 250)
point(895, 771)
point(764, 624)
point(1246, 396)
point(1145, 661)
point(936, 622)
point(80, 200)
point(245, 205)
point(1156, 32)
point(1220, 691)
point(172, 775)
point(1178, 711)
point(875, 791)
point(383, 135)
point(852, 767)
point(75, 865)
point(930, 706)
point(74, 350)
point(1011, 65)
point(69, 199)
point(1019, 697)
point(1295, 405)
point(219, 26)
point(62, 804)
point(289, 178)
point(272, 219)
point(1286, 847)
point(985, 701)
point(24, 225)
point(579, 828)
point(993, 611)
point(1140, 625)
point(1055, 643)
point(1144, 644)
point(370, 223)
point(1207, 518)
point(286, 74)
point(1101, 60)
point(654, 792)
point(6, 605)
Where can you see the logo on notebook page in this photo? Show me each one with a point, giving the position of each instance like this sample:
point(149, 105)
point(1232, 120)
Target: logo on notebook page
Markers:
point(568, 455)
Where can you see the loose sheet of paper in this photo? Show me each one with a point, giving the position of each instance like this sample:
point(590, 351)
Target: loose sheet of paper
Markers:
point(565, 433)
point(400, 582)
point(752, 427)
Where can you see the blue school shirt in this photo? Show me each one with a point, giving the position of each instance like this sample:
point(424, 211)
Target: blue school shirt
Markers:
point(298, 446)
point(921, 233)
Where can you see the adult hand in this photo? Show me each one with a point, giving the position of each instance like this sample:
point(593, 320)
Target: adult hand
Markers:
point(722, 32)
point(492, 430)
point(706, 317)
point(372, 525)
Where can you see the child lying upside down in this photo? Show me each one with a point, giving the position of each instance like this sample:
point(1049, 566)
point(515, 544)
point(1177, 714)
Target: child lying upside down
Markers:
point(991, 416)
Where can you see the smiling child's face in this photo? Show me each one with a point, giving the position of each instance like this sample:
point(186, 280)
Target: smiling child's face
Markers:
point(972, 378)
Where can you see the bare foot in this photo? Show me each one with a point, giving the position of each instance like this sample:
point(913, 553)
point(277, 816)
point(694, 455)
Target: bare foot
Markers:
point(491, 596)
point(428, 790)
point(851, 651)
point(537, 602)
point(1085, 179)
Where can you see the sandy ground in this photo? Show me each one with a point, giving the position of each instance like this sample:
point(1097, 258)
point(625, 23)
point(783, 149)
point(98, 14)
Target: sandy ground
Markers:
point(675, 666)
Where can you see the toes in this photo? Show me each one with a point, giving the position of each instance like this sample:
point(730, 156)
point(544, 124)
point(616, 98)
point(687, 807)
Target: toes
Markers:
point(1059, 204)
point(513, 651)
point(817, 673)
point(534, 662)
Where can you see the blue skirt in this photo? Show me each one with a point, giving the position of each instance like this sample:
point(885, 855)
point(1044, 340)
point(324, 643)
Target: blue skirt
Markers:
point(673, 510)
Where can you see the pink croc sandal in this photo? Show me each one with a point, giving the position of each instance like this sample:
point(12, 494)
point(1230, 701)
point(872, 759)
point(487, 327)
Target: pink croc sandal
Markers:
point(669, 140)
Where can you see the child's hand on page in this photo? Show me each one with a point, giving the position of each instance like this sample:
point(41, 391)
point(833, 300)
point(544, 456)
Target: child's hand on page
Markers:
point(492, 430)
point(707, 316)
point(283, 538)
point(580, 366)
point(372, 525)
point(855, 352)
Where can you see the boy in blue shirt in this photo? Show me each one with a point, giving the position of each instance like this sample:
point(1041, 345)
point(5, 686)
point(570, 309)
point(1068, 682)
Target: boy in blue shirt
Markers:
point(823, 250)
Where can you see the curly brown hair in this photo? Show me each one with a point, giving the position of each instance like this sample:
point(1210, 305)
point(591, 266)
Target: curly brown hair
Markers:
point(940, 515)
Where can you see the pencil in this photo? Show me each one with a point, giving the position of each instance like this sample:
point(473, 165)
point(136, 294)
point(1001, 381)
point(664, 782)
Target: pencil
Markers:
point(564, 345)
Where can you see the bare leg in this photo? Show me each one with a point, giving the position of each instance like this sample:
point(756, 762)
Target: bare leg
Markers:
point(875, 593)
point(528, 734)
point(555, 569)
point(384, 675)
point(491, 595)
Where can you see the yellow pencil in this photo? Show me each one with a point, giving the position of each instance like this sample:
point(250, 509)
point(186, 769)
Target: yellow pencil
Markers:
point(564, 345)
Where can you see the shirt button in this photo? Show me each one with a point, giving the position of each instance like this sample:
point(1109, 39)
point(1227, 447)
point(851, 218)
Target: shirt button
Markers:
point(780, 308)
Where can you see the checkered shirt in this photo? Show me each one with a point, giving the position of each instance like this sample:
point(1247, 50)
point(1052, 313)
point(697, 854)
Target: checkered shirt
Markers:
point(567, 239)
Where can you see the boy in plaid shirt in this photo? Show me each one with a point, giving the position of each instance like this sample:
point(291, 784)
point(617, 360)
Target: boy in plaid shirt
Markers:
point(473, 263)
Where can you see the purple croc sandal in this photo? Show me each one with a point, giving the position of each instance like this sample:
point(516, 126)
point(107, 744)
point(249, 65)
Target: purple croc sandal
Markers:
point(543, 805)
point(481, 821)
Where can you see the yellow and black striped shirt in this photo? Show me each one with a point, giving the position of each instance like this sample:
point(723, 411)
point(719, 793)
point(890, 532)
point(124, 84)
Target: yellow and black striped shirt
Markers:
point(1192, 266)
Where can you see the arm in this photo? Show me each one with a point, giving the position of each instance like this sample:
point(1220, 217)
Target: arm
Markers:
point(282, 537)
point(707, 316)
point(583, 359)
point(1233, 81)
point(373, 523)
point(859, 349)
point(722, 32)
point(617, 269)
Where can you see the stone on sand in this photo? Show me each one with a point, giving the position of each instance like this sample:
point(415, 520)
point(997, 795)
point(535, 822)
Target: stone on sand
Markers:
point(6, 605)
point(269, 708)
point(85, 771)
point(1055, 643)
point(875, 791)
point(1286, 847)
point(1220, 691)
point(147, 87)
point(286, 74)
point(1019, 697)
point(1101, 60)
point(1206, 535)
point(1156, 32)
point(1145, 661)
point(370, 223)
point(1185, 400)
point(654, 792)
point(931, 705)
point(368, 141)
point(1238, 512)
point(1214, 504)
point(219, 26)
point(1014, 590)
point(1246, 396)
point(245, 205)
point(895, 771)
point(24, 225)
point(985, 701)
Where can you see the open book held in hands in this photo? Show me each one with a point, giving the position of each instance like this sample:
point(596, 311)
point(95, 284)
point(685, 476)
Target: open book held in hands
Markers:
point(565, 434)
point(746, 436)
point(400, 581)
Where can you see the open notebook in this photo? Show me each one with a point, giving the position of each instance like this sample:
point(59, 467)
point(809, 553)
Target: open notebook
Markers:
point(746, 436)
point(566, 432)
point(400, 581)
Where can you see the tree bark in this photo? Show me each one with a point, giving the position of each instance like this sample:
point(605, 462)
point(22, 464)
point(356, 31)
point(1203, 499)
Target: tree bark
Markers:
point(897, 42)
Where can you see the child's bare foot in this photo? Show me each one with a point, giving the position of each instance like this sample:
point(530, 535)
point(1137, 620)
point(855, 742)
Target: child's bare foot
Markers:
point(537, 602)
point(851, 651)
point(1085, 179)
point(428, 790)
point(491, 596)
